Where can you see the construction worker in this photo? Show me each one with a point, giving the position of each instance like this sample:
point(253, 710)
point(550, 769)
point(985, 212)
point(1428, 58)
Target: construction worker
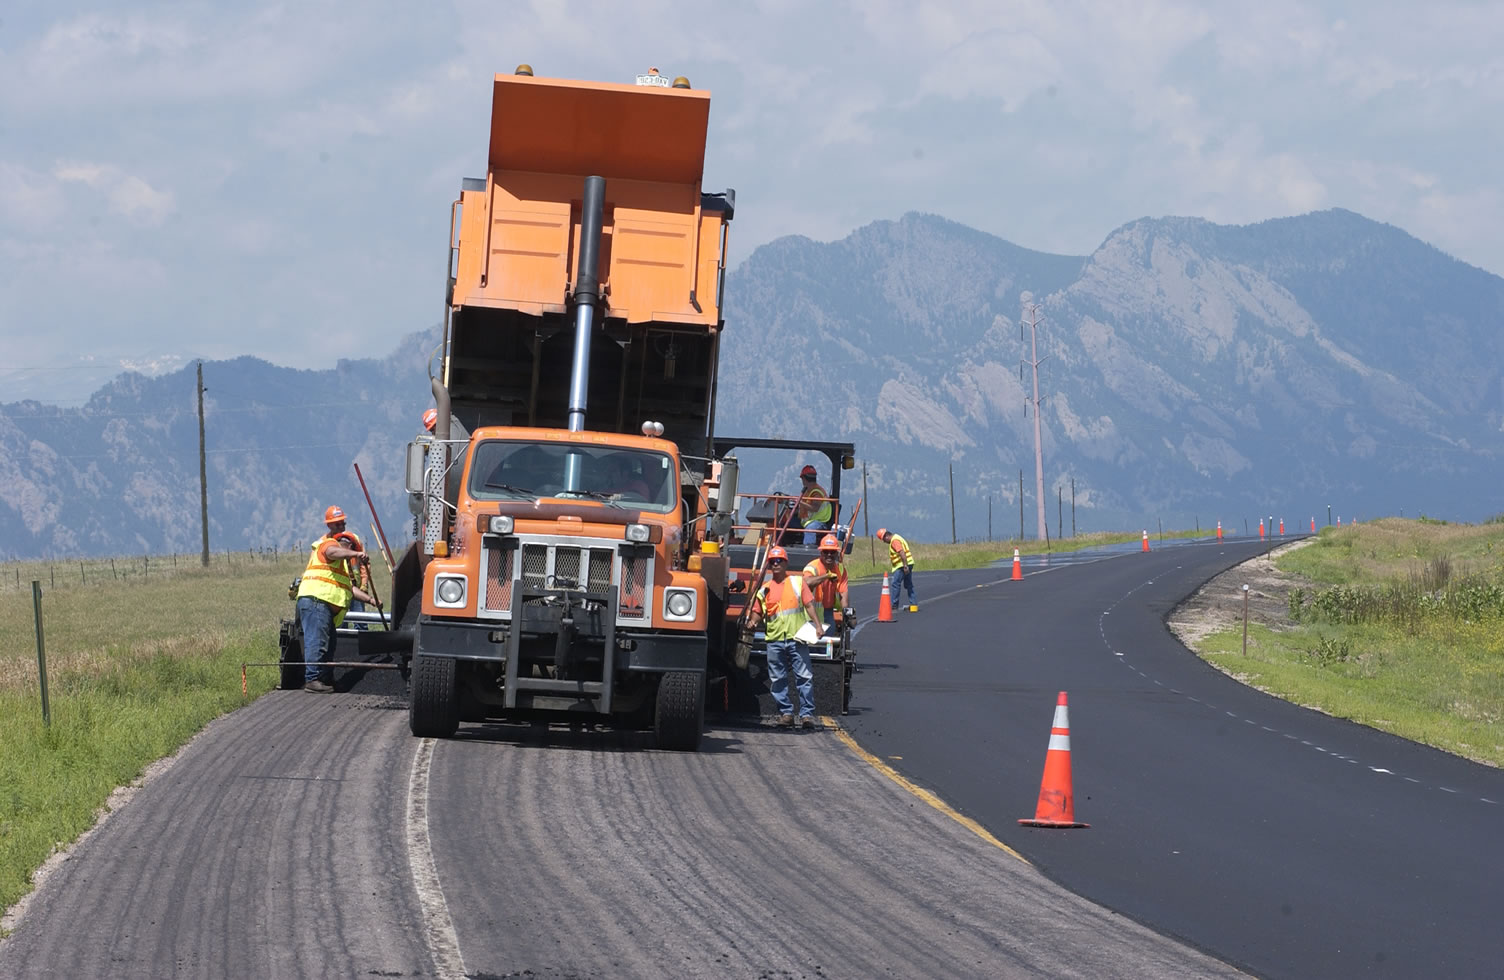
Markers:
point(781, 606)
point(815, 511)
point(826, 578)
point(901, 563)
point(323, 596)
point(360, 573)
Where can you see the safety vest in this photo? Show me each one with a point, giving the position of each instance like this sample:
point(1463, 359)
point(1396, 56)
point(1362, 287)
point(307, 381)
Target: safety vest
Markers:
point(821, 513)
point(327, 582)
point(828, 593)
point(899, 554)
point(781, 607)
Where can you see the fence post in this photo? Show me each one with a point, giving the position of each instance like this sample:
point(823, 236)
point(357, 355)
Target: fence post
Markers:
point(36, 604)
point(113, 571)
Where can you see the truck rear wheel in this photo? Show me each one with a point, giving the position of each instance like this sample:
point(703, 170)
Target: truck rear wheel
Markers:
point(433, 707)
point(680, 714)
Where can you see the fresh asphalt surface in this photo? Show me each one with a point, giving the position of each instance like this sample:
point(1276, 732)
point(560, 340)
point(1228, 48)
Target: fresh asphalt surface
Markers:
point(1279, 839)
point(312, 836)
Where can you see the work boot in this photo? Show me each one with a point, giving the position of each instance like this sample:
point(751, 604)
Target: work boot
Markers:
point(317, 686)
point(807, 722)
point(784, 721)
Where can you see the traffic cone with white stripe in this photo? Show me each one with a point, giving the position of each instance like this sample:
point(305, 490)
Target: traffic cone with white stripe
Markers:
point(885, 604)
point(1056, 807)
point(1018, 567)
point(1146, 540)
point(1219, 530)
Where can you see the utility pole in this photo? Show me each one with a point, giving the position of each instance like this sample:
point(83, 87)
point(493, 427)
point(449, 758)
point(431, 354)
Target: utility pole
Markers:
point(1073, 507)
point(203, 469)
point(1034, 361)
point(952, 468)
point(1020, 505)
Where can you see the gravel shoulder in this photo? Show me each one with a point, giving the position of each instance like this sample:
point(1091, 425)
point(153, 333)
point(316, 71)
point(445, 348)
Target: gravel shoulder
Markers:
point(1218, 605)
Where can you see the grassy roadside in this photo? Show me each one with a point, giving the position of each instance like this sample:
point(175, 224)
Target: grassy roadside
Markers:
point(1396, 624)
point(136, 665)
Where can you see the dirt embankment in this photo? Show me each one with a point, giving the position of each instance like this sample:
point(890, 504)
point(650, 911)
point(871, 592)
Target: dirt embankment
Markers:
point(1218, 605)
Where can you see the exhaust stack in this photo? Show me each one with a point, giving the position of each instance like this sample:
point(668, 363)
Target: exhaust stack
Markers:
point(587, 288)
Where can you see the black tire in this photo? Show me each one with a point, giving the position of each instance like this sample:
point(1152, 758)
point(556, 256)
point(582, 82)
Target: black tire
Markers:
point(290, 653)
point(433, 706)
point(680, 714)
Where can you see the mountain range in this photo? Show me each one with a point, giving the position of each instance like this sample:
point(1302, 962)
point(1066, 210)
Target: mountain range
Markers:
point(1189, 373)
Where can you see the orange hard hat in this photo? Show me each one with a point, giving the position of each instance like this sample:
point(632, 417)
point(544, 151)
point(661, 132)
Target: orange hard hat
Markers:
point(333, 515)
point(808, 471)
point(830, 543)
point(430, 419)
point(777, 552)
point(882, 534)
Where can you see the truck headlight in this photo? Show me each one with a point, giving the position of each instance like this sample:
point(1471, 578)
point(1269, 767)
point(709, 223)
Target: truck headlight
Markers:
point(638, 533)
point(679, 604)
point(501, 525)
point(449, 590)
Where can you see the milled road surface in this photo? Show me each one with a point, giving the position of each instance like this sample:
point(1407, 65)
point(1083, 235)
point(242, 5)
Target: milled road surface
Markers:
point(1280, 839)
point(311, 836)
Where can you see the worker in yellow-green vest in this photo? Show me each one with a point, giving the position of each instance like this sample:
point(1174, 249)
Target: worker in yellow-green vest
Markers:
point(781, 606)
point(901, 563)
point(815, 510)
point(323, 596)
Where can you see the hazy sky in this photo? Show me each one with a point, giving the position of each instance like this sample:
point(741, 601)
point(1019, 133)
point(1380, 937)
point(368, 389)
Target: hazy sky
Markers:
point(214, 179)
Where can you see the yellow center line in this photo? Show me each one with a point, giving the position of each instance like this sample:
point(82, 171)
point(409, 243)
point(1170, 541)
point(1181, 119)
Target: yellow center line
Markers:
point(919, 791)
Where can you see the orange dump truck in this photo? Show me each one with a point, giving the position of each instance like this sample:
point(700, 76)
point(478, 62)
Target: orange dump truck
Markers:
point(564, 496)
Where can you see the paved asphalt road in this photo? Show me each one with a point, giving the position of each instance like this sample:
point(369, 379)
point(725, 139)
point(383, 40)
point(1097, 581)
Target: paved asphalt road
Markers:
point(1279, 839)
point(312, 836)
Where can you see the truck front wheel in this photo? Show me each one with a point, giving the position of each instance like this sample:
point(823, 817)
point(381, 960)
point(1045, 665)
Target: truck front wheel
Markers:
point(433, 709)
point(680, 713)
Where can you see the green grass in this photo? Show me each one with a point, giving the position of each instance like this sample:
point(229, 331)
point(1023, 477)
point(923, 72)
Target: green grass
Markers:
point(1392, 634)
point(108, 724)
point(138, 660)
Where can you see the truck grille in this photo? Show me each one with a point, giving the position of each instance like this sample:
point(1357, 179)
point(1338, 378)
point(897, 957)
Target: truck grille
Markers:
point(541, 565)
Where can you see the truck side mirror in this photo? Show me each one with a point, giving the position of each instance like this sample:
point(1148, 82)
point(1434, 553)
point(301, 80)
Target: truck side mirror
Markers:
point(416, 452)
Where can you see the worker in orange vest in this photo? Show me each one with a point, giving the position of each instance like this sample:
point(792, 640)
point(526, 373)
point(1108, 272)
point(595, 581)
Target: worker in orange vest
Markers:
point(826, 578)
point(901, 563)
point(781, 606)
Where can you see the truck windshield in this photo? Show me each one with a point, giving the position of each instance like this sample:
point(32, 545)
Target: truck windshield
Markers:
point(504, 470)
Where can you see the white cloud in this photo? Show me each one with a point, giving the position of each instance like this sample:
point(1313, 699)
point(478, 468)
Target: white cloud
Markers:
point(246, 156)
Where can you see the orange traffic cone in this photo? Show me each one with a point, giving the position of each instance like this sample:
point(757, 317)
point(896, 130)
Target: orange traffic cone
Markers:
point(1281, 527)
point(1056, 807)
point(1219, 530)
point(1313, 525)
point(885, 604)
point(1261, 529)
point(1146, 540)
point(1018, 568)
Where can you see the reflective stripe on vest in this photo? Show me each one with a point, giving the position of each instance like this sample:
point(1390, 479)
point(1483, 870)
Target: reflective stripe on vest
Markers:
point(327, 582)
point(898, 552)
point(822, 513)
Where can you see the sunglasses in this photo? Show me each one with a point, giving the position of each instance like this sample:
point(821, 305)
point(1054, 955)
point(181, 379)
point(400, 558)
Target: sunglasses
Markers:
point(776, 561)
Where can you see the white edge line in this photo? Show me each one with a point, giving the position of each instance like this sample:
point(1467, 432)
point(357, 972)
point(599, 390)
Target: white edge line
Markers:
point(443, 942)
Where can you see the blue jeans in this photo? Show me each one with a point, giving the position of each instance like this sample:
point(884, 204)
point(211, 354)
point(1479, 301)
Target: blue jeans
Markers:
point(901, 578)
point(811, 537)
point(783, 655)
point(317, 618)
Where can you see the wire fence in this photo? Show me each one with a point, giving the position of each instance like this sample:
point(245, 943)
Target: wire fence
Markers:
point(76, 573)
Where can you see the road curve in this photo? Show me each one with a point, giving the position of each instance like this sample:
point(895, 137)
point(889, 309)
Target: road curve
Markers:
point(285, 841)
point(1280, 839)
